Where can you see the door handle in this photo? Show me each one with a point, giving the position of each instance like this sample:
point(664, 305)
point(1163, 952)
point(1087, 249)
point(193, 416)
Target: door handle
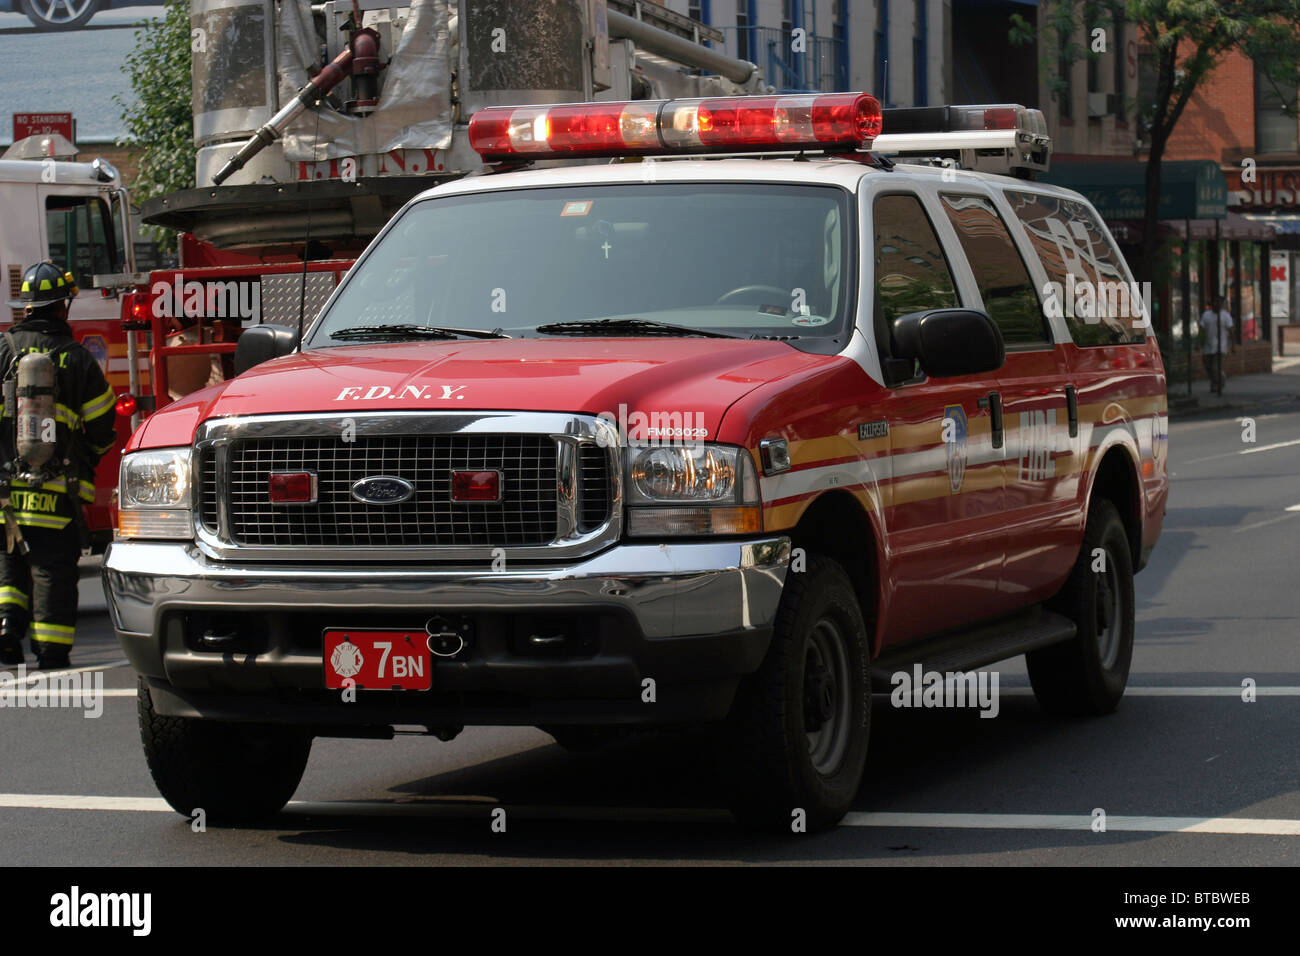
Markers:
point(1072, 409)
point(993, 402)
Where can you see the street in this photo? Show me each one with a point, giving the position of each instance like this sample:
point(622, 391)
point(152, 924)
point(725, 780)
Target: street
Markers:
point(1216, 608)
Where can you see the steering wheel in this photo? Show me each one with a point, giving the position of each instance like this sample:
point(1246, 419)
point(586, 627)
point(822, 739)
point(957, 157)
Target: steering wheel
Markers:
point(783, 294)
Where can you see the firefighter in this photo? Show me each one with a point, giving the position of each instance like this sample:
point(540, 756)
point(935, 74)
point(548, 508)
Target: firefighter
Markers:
point(58, 421)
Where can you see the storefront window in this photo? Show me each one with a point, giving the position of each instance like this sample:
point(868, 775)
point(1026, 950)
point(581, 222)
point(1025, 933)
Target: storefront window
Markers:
point(1249, 270)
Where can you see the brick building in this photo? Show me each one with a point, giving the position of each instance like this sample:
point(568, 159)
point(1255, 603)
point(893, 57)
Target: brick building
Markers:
point(1236, 118)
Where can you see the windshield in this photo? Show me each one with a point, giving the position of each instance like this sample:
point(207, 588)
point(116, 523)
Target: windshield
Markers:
point(739, 259)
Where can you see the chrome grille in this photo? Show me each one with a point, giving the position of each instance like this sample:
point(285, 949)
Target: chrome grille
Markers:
point(526, 515)
point(593, 478)
point(208, 489)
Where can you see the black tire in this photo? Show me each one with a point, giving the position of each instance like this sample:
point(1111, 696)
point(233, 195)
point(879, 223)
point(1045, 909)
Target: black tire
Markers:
point(236, 773)
point(60, 14)
point(776, 762)
point(1087, 675)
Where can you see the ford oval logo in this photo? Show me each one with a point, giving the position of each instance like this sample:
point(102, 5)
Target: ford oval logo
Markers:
point(382, 490)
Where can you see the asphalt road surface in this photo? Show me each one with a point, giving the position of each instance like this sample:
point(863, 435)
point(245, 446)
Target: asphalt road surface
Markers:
point(1186, 772)
point(76, 71)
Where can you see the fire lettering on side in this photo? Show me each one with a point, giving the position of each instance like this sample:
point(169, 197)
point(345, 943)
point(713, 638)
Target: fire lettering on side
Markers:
point(358, 393)
point(1037, 437)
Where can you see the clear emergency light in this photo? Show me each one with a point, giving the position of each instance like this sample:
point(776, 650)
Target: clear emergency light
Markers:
point(718, 124)
point(998, 138)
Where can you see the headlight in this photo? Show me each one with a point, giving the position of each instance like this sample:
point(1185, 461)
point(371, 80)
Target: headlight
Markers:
point(692, 490)
point(154, 494)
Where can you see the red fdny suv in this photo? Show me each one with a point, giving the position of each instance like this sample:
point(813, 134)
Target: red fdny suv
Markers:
point(683, 437)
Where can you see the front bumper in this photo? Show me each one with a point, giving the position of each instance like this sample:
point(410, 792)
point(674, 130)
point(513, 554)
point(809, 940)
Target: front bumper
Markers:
point(693, 617)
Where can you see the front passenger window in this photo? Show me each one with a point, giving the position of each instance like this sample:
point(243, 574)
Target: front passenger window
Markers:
point(912, 274)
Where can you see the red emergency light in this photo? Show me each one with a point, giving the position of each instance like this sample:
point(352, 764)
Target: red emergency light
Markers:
point(476, 486)
point(136, 311)
point(717, 124)
point(291, 488)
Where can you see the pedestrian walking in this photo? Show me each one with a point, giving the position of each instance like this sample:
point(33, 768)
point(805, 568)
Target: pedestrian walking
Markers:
point(1216, 324)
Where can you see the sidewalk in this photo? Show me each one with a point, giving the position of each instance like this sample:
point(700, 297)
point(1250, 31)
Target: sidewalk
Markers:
point(1243, 393)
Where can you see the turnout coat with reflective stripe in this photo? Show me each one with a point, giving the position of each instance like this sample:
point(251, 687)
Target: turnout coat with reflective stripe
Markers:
point(84, 416)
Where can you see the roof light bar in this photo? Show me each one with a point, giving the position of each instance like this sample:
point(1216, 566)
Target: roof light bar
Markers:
point(717, 124)
point(999, 138)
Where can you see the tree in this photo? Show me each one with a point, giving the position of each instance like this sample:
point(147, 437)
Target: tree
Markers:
point(1188, 39)
point(160, 123)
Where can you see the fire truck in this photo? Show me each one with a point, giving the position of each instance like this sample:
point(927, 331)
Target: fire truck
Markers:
point(789, 397)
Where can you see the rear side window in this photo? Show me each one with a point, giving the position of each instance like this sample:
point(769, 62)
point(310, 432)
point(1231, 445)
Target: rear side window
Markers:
point(912, 274)
point(1003, 280)
point(1084, 269)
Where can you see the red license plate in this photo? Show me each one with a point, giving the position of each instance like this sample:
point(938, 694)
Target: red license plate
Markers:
point(378, 660)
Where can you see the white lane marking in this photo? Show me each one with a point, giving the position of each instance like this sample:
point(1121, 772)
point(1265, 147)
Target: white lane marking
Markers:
point(470, 805)
point(67, 801)
point(1294, 508)
point(1281, 444)
point(123, 692)
point(1262, 524)
point(73, 695)
point(1244, 451)
point(1061, 821)
point(1197, 461)
point(1229, 691)
point(45, 675)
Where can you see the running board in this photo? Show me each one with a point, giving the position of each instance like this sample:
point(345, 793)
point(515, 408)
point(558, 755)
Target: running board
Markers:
point(975, 648)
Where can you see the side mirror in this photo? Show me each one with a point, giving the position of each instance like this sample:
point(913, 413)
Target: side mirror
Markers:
point(949, 342)
point(261, 343)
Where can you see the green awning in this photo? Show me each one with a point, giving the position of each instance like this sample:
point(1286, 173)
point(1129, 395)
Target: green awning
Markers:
point(1189, 189)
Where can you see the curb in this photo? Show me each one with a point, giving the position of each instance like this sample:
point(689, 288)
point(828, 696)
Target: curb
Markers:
point(1182, 409)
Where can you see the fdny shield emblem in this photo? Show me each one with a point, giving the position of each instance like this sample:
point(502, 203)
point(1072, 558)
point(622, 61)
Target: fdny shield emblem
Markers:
point(954, 442)
point(346, 659)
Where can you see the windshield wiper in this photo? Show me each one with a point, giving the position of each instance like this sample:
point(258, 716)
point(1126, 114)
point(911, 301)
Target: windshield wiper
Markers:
point(420, 331)
point(635, 326)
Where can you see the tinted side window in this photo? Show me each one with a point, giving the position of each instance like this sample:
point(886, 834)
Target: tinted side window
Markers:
point(912, 274)
point(1004, 282)
point(1099, 306)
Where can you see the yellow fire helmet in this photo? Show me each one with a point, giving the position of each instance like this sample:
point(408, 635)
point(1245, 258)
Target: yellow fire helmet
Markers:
point(42, 284)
